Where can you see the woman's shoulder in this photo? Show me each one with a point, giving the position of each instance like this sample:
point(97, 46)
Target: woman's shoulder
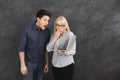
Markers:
point(69, 33)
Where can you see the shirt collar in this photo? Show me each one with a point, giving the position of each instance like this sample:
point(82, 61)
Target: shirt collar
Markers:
point(36, 28)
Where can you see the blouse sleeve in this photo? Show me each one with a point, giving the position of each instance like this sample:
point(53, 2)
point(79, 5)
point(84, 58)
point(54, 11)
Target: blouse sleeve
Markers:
point(72, 46)
point(50, 45)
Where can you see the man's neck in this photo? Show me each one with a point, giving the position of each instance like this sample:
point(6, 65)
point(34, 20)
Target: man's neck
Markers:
point(38, 27)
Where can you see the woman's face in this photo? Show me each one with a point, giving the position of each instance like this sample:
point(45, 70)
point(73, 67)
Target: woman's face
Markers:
point(60, 26)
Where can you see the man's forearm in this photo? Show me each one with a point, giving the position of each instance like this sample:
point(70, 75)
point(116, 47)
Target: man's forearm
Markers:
point(22, 58)
point(46, 58)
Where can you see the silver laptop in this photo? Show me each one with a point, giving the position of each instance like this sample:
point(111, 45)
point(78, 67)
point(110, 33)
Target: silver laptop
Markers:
point(67, 44)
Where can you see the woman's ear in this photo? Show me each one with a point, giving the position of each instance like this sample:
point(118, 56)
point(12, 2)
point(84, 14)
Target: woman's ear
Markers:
point(56, 30)
point(66, 29)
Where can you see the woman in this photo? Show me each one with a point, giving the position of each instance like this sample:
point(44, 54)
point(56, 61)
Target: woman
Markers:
point(63, 45)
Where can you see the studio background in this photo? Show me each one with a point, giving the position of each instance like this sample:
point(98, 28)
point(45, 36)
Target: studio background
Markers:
point(96, 23)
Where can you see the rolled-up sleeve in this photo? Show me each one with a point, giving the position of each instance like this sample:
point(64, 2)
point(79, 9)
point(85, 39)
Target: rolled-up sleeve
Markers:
point(22, 42)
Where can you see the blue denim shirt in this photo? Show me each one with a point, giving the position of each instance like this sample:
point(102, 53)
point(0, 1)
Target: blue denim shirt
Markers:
point(33, 42)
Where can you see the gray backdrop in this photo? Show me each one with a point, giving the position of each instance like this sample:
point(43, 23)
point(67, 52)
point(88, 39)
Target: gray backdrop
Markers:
point(96, 23)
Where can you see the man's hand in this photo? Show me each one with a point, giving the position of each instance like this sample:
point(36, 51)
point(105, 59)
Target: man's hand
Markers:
point(46, 69)
point(24, 70)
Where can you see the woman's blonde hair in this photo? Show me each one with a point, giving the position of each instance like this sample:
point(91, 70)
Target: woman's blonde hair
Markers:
point(66, 23)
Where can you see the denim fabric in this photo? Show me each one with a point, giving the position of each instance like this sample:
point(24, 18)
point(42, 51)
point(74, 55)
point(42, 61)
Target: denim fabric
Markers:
point(34, 72)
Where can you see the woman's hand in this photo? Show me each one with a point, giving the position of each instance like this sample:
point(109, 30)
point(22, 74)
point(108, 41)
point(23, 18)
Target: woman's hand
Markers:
point(57, 35)
point(62, 51)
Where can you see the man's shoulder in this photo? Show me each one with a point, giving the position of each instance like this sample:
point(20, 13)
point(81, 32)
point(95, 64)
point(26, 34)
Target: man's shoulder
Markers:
point(28, 27)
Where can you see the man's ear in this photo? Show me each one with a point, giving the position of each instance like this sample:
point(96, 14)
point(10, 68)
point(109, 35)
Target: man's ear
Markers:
point(38, 18)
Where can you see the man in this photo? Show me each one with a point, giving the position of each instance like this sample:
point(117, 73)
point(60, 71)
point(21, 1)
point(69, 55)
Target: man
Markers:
point(32, 47)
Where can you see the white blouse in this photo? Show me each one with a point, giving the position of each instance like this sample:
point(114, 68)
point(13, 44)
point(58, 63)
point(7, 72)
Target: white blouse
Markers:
point(61, 60)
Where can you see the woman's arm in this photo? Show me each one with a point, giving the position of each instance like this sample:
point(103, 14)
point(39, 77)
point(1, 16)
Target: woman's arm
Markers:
point(71, 47)
point(51, 44)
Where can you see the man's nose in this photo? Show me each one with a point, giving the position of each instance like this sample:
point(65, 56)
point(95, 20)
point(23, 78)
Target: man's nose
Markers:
point(47, 23)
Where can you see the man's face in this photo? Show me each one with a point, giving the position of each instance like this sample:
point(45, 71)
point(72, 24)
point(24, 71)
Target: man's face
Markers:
point(43, 22)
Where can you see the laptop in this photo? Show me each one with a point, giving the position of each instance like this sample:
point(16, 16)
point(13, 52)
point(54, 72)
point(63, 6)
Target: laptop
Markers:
point(67, 44)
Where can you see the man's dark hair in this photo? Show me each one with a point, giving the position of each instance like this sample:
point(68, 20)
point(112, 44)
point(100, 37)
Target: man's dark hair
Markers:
point(43, 12)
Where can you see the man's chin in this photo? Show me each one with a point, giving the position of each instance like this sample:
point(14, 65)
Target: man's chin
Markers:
point(43, 28)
